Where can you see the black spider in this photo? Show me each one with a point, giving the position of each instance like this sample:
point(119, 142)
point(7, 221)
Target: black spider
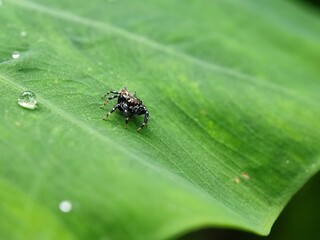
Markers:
point(128, 103)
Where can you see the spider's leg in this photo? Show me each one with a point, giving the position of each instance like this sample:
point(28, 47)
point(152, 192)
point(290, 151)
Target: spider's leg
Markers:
point(111, 111)
point(143, 110)
point(126, 113)
point(114, 92)
point(108, 99)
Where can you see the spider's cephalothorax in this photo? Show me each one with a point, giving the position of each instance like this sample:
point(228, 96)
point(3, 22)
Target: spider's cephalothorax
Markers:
point(128, 103)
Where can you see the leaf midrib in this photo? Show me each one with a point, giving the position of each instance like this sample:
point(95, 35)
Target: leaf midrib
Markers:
point(90, 130)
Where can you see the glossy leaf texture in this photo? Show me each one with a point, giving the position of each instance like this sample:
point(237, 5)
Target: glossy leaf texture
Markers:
point(233, 93)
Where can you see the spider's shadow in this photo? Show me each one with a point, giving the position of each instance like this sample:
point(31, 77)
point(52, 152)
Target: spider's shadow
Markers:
point(117, 120)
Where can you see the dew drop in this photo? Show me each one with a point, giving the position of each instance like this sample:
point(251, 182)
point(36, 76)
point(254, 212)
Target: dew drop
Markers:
point(23, 34)
point(15, 55)
point(65, 206)
point(28, 100)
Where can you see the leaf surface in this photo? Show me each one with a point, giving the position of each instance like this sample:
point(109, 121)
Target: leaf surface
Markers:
point(233, 94)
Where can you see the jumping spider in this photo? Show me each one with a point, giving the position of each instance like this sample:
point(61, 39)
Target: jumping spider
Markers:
point(128, 103)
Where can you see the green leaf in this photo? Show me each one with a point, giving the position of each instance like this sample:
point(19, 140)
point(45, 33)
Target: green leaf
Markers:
point(233, 94)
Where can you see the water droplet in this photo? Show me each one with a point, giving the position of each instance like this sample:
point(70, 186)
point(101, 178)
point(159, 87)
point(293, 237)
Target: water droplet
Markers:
point(28, 100)
point(236, 179)
point(15, 55)
point(23, 34)
point(245, 175)
point(65, 206)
